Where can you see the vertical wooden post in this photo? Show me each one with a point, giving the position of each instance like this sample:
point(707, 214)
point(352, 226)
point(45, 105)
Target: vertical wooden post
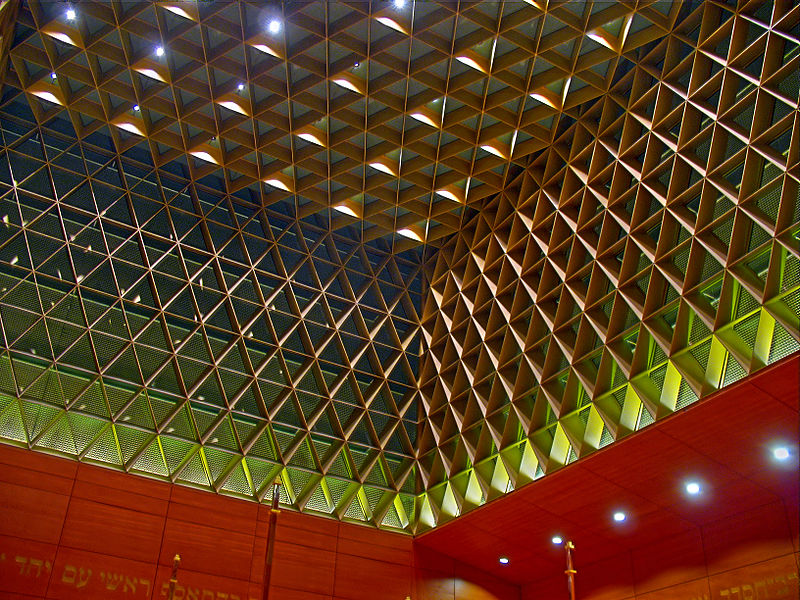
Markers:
point(173, 581)
point(569, 547)
point(273, 519)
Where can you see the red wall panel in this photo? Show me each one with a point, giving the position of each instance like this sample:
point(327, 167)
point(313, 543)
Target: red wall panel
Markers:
point(70, 531)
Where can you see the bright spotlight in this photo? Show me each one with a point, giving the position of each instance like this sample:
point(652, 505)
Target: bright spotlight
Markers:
point(71, 14)
point(619, 516)
point(503, 560)
point(557, 540)
point(274, 26)
point(399, 4)
point(693, 488)
point(160, 51)
point(781, 453)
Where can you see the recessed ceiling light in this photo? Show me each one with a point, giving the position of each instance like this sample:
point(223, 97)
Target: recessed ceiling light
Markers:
point(557, 540)
point(71, 14)
point(274, 26)
point(503, 560)
point(693, 488)
point(619, 516)
point(780, 453)
point(160, 51)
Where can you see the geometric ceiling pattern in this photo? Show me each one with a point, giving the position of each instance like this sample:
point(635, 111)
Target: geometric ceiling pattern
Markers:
point(648, 258)
point(406, 256)
point(386, 117)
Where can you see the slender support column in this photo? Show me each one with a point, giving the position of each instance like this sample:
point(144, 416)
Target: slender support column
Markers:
point(173, 581)
point(569, 547)
point(273, 519)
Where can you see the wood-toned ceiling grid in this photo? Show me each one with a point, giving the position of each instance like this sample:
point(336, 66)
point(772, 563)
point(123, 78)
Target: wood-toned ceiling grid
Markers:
point(646, 259)
point(372, 116)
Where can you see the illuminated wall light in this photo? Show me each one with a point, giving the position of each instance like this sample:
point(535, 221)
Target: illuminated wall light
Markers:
point(274, 26)
point(391, 23)
point(343, 208)
point(492, 150)
point(310, 137)
point(619, 516)
point(693, 488)
point(423, 118)
point(557, 540)
point(409, 233)
point(381, 167)
point(278, 184)
point(347, 85)
point(503, 560)
point(470, 62)
point(780, 453)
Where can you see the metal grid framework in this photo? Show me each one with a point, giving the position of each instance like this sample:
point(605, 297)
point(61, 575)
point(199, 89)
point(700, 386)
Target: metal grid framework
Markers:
point(647, 259)
point(404, 256)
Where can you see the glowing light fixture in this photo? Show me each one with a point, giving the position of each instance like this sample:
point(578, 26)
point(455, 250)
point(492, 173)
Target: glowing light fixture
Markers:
point(693, 488)
point(178, 11)
point(240, 87)
point(378, 166)
point(619, 516)
point(399, 4)
point(278, 184)
point(347, 85)
point(780, 453)
point(503, 560)
point(152, 74)
point(204, 156)
point(49, 96)
point(160, 51)
point(470, 62)
point(449, 195)
point(266, 50)
point(391, 23)
point(53, 75)
point(410, 233)
point(557, 540)
point(343, 208)
point(274, 26)
point(423, 118)
point(136, 107)
point(131, 128)
point(492, 150)
point(230, 105)
point(71, 14)
point(310, 137)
